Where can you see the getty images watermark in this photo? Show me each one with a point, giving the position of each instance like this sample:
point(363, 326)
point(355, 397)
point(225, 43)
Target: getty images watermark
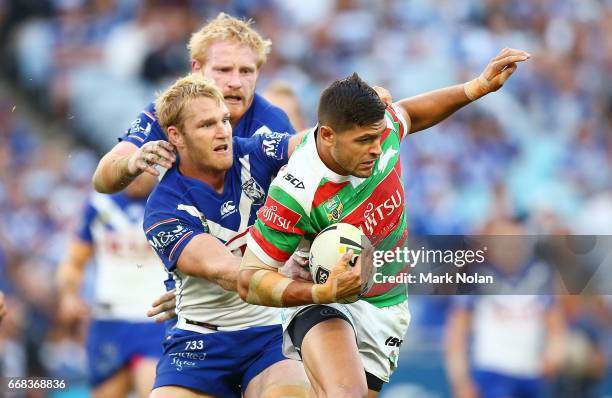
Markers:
point(410, 258)
point(497, 264)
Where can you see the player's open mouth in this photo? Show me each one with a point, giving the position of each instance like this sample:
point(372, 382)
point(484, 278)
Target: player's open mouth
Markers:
point(221, 148)
point(233, 99)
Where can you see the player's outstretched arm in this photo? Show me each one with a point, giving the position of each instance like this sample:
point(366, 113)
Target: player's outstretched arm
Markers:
point(122, 164)
point(261, 284)
point(164, 307)
point(206, 257)
point(429, 109)
point(69, 278)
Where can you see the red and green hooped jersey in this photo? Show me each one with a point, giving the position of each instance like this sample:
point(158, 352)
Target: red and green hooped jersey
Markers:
point(306, 196)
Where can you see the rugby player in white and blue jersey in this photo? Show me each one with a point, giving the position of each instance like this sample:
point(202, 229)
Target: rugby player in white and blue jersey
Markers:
point(197, 216)
point(507, 342)
point(123, 345)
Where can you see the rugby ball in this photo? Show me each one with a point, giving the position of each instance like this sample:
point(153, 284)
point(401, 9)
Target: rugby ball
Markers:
point(330, 245)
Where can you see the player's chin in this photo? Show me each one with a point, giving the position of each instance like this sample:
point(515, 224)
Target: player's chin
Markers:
point(363, 171)
point(223, 162)
point(236, 109)
point(226, 163)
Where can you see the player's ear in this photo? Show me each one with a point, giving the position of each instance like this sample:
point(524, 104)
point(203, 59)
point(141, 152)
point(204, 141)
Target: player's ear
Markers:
point(175, 137)
point(196, 66)
point(327, 134)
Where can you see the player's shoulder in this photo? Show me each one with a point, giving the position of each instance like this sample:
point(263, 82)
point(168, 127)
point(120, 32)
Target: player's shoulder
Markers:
point(176, 193)
point(149, 115)
point(168, 209)
point(301, 177)
point(144, 128)
point(168, 192)
point(396, 121)
point(150, 110)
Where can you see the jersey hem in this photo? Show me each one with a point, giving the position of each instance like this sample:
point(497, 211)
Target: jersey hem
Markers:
point(382, 301)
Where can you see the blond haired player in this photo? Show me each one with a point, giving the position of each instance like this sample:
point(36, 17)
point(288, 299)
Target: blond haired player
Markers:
point(199, 215)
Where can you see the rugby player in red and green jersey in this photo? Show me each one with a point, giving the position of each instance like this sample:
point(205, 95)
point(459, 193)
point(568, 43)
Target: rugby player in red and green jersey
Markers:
point(347, 169)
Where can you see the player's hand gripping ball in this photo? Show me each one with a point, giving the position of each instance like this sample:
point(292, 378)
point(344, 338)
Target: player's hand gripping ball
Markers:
point(328, 248)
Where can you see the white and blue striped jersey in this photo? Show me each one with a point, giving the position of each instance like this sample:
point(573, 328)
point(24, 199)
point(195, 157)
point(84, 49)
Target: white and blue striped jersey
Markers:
point(261, 118)
point(509, 330)
point(128, 273)
point(181, 207)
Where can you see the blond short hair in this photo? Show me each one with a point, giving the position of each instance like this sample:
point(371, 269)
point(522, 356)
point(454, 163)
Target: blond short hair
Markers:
point(226, 27)
point(170, 106)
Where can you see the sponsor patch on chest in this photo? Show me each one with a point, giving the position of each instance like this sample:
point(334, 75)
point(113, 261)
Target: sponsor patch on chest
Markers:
point(380, 213)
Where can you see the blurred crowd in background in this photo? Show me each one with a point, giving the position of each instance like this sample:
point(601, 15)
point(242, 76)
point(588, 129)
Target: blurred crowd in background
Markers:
point(75, 74)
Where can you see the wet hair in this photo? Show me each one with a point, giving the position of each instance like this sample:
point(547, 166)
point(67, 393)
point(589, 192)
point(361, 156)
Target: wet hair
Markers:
point(349, 102)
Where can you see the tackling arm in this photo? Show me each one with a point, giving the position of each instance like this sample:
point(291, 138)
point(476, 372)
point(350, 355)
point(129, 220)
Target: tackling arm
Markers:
point(429, 109)
point(206, 257)
point(163, 308)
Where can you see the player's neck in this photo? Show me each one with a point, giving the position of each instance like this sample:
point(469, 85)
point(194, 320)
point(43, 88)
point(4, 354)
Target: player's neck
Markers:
point(327, 158)
point(214, 178)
